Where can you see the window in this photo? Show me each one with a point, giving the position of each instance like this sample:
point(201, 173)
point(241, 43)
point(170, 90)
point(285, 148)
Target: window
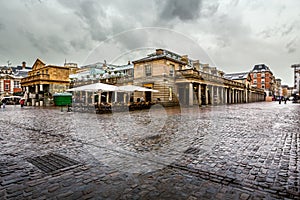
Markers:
point(17, 84)
point(6, 86)
point(148, 70)
point(172, 67)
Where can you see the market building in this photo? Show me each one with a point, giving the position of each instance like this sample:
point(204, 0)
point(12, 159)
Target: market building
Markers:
point(179, 80)
point(43, 81)
point(184, 81)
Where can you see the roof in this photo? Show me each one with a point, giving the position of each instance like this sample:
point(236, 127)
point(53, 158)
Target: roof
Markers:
point(237, 76)
point(165, 54)
point(260, 67)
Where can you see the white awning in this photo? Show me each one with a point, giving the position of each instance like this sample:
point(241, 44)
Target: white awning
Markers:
point(132, 88)
point(106, 87)
point(95, 87)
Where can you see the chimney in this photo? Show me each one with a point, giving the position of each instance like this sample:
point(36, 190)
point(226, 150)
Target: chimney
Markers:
point(23, 65)
point(184, 58)
point(159, 51)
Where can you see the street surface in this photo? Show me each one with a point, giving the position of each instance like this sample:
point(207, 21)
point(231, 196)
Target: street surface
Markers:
point(240, 151)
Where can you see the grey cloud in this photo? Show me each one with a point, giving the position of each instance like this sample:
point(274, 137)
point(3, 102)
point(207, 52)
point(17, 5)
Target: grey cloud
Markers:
point(2, 27)
point(35, 41)
point(184, 10)
point(90, 12)
point(57, 44)
point(291, 46)
point(209, 8)
point(287, 30)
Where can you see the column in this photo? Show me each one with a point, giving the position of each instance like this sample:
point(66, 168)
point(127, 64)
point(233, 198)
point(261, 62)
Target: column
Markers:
point(12, 86)
point(225, 95)
point(191, 96)
point(229, 94)
point(212, 95)
point(116, 96)
point(107, 97)
point(86, 98)
point(199, 95)
point(125, 98)
point(218, 95)
point(206, 95)
point(1, 86)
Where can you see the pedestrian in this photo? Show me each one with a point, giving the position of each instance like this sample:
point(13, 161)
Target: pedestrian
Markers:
point(22, 102)
point(4, 101)
point(285, 98)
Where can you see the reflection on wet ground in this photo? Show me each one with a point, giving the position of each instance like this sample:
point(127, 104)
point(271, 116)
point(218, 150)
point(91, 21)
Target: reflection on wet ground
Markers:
point(244, 151)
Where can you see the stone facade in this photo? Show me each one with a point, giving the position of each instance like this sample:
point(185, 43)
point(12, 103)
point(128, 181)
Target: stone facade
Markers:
point(183, 81)
point(44, 80)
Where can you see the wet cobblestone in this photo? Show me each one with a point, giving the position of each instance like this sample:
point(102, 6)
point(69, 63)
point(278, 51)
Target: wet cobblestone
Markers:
point(246, 151)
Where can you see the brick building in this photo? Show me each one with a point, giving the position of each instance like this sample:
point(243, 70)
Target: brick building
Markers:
point(263, 78)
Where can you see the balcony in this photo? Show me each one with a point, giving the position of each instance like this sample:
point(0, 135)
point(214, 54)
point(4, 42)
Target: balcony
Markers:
point(187, 73)
point(39, 77)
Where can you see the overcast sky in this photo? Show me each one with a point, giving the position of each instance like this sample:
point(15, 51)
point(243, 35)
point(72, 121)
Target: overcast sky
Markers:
point(230, 34)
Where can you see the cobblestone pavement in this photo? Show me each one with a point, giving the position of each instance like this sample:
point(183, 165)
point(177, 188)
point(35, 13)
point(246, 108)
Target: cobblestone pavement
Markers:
point(244, 151)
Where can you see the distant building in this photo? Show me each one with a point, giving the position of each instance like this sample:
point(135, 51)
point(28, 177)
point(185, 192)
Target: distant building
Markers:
point(296, 78)
point(104, 73)
point(242, 77)
point(10, 79)
point(263, 78)
point(277, 87)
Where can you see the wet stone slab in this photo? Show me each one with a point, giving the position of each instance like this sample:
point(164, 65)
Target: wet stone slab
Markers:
point(245, 151)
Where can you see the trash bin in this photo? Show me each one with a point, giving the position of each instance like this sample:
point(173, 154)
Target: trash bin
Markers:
point(62, 99)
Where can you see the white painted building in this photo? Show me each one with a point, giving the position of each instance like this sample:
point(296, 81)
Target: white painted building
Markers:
point(296, 78)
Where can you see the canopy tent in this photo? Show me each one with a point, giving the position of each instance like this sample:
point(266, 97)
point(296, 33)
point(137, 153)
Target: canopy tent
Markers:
point(95, 87)
point(105, 87)
point(132, 88)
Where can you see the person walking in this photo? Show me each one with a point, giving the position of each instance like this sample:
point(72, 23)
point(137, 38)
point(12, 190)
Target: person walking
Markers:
point(22, 102)
point(3, 103)
point(280, 100)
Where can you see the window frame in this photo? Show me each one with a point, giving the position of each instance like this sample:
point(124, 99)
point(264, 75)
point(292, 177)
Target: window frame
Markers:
point(148, 70)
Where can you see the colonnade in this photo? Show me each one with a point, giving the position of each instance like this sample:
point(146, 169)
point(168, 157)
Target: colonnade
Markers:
point(205, 94)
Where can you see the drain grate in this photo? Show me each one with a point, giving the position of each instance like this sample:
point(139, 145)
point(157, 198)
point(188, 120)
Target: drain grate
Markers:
point(52, 162)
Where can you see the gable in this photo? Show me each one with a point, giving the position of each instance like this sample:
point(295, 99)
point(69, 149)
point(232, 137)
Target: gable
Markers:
point(38, 64)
